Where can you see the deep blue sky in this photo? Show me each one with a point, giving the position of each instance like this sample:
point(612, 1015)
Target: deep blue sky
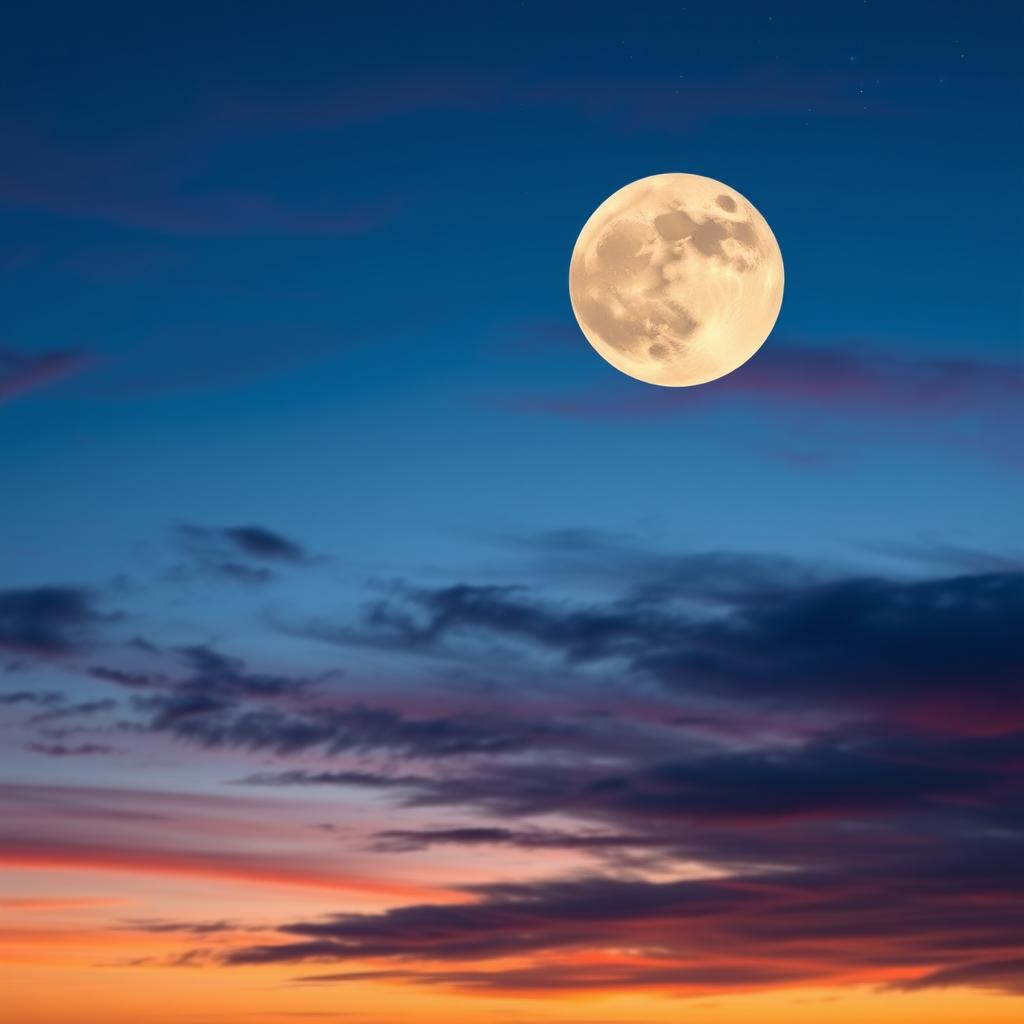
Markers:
point(318, 258)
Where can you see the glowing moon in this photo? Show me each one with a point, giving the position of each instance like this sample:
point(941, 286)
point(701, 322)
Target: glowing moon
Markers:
point(676, 279)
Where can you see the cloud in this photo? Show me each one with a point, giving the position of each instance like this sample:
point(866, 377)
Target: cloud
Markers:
point(63, 708)
point(219, 703)
point(844, 855)
point(850, 380)
point(567, 977)
point(411, 840)
point(175, 834)
point(210, 674)
point(238, 865)
point(922, 647)
point(22, 372)
point(160, 926)
point(65, 750)
point(618, 102)
point(42, 698)
point(170, 178)
point(817, 783)
point(48, 903)
point(834, 804)
point(1000, 975)
point(356, 779)
point(709, 934)
point(46, 620)
point(148, 184)
point(259, 542)
point(816, 771)
point(178, 358)
point(241, 553)
point(212, 721)
point(625, 562)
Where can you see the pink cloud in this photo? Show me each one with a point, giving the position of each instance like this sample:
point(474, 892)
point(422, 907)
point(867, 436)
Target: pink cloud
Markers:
point(847, 381)
point(149, 182)
point(21, 372)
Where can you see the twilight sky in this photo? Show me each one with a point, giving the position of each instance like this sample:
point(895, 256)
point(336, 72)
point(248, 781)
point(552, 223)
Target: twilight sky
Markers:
point(371, 651)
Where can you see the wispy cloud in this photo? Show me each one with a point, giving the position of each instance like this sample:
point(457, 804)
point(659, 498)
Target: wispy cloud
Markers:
point(47, 620)
point(244, 554)
point(850, 380)
point(851, 924)
point(903, 644)
point(816, 767)
point(23, 372)
point(167, 833)
point(70, 750)
point(155, 182)
point(148, 184)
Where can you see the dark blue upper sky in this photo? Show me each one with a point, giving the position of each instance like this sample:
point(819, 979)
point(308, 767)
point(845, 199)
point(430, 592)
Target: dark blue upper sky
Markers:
point(306, 265)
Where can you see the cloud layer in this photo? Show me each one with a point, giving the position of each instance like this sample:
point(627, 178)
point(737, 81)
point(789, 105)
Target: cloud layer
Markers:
point(761, 773)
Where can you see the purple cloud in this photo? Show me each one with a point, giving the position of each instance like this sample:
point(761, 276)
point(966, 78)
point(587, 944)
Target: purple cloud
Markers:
point(21, 372)
point(155, 183)
point(848, 381)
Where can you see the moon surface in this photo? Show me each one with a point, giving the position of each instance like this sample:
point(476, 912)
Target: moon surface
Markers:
point(676, 279)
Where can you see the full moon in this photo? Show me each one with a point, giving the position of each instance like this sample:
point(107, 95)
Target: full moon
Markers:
point(676, 279)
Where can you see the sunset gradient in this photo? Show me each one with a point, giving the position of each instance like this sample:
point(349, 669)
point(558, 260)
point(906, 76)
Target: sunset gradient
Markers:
point(371, 651)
